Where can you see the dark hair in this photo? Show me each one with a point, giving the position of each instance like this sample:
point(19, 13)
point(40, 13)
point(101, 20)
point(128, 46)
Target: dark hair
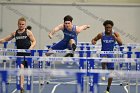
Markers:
point(68, 18)
point(29, 27)
point(108, 22)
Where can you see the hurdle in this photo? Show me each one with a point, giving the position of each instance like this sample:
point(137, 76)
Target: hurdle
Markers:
point(94, 76)
point(126, 47)
point(37, 72)
point(74, 59)
point(88, 52)
point(29, 60)
point(131, 52)
point(88, 46)
point(18, 60)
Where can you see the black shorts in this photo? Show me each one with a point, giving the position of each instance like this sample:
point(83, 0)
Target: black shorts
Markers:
point(24, 62)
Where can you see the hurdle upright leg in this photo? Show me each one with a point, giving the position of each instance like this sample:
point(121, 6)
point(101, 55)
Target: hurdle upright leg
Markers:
point(3, 81)
point(80, 84)
point(18, 76)
point(29, 77)
point(137, 69)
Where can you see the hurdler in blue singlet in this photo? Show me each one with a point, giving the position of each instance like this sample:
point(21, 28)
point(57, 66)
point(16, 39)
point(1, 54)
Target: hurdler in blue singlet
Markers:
point(64, 43)
point(108, 43)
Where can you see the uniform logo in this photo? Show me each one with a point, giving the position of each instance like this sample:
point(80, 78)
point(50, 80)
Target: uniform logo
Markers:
point(108, 41)
point(20, 37)
point(69, 34)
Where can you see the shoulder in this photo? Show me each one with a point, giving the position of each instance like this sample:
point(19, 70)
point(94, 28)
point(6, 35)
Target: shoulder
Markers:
point(13, 34)
point(29, 32)
point(100, 34)
point(61, 26)
point(77, 28)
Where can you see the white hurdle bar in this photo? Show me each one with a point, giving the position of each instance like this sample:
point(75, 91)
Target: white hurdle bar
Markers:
point(81, 60)
point(80, 52)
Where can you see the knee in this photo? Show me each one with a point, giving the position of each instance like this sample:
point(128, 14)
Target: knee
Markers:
point(72, 41)
point(47, 54)
point(21, 66)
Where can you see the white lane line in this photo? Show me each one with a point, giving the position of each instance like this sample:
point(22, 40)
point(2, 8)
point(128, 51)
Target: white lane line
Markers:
point(71, 82)
point(54, 88)
point(14, 90)
point(125, 88)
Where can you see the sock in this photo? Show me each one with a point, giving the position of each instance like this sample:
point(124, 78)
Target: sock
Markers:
point(108, 88)
point(69, 55)
point(73, 47)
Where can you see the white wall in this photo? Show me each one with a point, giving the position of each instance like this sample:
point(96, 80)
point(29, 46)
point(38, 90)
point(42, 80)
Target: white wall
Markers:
point(44, 17)
point(70, 1)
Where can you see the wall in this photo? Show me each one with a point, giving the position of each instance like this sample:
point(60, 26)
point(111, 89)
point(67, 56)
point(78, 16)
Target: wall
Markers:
point(46, 16)
point(71, 1)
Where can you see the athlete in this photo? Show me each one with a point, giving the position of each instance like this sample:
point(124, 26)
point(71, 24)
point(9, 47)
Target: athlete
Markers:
point(108, 40)
point(70, 32)
point(24, 39)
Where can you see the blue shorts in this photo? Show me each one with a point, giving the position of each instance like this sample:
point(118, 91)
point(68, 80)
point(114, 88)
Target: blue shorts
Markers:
point(109, 65)
point(61, 45)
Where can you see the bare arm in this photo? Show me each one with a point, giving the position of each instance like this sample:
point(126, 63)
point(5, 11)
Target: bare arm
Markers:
point(32, 38)
point(95, 39)
point(81, 28)
point(117, 38)
point(56, 29)
point(7, 38)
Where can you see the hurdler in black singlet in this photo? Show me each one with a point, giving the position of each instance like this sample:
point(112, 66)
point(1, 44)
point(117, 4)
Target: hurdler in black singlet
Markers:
point(22, 42)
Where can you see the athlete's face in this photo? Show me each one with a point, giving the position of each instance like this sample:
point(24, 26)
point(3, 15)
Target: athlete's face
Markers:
point(21, 25)
point(108, 29)
point(68, 24)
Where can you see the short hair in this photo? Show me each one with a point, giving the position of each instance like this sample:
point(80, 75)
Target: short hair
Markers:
point(29, 27)
point(22, 19)
point(108, 22)
point(68, 18)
